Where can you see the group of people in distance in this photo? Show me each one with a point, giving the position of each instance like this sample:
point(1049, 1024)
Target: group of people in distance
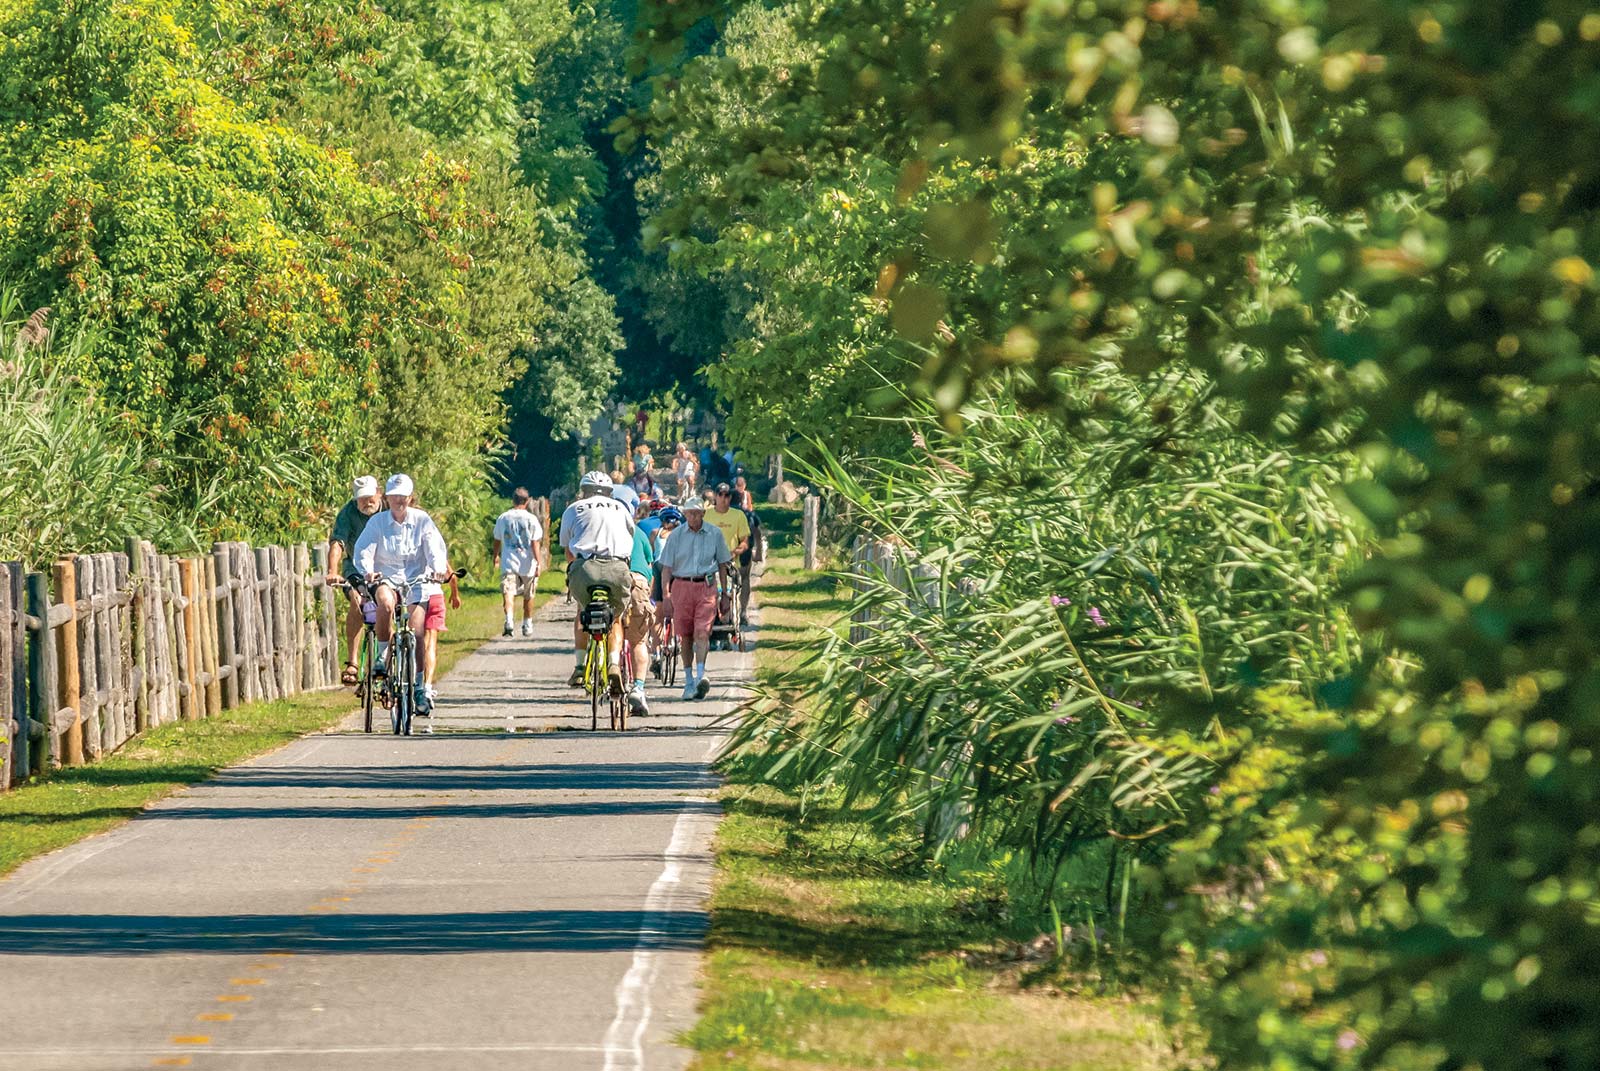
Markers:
point(377, 543)
point(667, 568)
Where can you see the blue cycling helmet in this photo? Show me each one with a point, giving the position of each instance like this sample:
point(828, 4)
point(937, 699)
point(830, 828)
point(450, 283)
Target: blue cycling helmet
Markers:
point(671, 515)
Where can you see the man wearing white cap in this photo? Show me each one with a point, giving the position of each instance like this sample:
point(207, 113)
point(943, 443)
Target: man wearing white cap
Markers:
point(347, 528)
point(402, 542)
point(694, 565)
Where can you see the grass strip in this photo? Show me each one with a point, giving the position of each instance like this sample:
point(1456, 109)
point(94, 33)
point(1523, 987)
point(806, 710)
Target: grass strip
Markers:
point(69, 804)
point(832, 947)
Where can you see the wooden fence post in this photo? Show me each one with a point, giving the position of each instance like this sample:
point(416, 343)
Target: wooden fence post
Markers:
point(127, 672)
point(41, 675)
point(108, 690)
point(208, 629)
point(19, 670)
point(139, 610)
point(304, 648)
point(171, 671)
point(263, 630)
point(71, 697)
point(88, 675)
point(229, 670)
point(542, 508)
point(13, 739)
point(317, 627)
point(188, 656)
point(811, 522)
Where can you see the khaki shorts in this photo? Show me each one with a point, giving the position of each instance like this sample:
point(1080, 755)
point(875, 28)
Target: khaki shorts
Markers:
point(640, 616)
point(514, 585)
point(609, 573)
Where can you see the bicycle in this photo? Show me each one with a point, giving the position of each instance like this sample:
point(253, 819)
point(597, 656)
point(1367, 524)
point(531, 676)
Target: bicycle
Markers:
point(399, 691)
point(729, 628)
point(669, 655)
point(597, 618)
point(366, 649)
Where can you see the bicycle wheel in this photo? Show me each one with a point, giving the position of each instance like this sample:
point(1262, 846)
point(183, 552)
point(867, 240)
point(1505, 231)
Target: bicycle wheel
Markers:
point(669, 662)
point(365, 661)
point(409, 687)
point(619, 700)
point(400, 685)
point(595, 675)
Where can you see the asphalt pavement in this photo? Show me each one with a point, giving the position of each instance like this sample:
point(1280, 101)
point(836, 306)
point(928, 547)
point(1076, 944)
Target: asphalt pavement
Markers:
point(512, 891)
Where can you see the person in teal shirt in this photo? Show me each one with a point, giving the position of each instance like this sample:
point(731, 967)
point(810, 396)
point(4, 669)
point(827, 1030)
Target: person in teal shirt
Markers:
point(638, 620)
point(643, 560)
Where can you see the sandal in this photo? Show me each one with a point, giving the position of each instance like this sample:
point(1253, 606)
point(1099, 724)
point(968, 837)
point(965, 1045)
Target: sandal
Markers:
point(352, 673)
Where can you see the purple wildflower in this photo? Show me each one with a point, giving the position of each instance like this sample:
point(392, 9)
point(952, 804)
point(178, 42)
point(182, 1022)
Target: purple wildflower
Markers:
point(1066, 720)
point(1059, 601)
point(1319, 958)
point(1348, 1039)
point(1216, 790)
point(1094, 615)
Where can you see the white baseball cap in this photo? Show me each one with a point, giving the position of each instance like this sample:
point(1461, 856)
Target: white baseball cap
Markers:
point(399, 484)
point(364, 487)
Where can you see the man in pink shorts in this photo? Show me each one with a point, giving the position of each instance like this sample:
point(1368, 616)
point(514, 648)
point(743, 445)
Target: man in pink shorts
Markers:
point(694, 564)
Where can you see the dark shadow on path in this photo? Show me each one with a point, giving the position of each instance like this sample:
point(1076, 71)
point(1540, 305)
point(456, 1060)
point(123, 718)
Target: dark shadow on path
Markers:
point(350, 934)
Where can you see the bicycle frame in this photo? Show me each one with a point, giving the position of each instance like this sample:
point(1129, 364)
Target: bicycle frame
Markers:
point(400, 683)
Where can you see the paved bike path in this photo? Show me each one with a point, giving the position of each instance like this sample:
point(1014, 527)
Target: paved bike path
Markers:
point(471, 899)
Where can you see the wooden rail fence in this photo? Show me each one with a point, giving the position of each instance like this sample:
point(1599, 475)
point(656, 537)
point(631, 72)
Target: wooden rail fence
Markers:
point(108, 645)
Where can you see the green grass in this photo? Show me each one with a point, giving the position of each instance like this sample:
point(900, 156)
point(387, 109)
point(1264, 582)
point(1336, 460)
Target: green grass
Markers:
point(72, 803)
point(832, 947)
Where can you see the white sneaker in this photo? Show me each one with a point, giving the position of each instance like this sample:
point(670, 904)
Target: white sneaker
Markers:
point(527, 627)
point(688, 688)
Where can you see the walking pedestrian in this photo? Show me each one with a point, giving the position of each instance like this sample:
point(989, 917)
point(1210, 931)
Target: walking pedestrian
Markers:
point(517, 535)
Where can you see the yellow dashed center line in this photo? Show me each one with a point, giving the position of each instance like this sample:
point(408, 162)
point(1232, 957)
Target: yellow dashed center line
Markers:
point(247, 981)
point(192, 1039)
point(215, 1017)
point(234, 998)
point(170, 1061)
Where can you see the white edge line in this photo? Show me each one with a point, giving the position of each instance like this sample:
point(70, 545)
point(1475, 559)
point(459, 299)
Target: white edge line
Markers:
point(634, 991)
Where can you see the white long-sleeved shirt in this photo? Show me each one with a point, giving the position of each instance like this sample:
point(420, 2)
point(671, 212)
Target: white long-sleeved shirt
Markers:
point(401, 548)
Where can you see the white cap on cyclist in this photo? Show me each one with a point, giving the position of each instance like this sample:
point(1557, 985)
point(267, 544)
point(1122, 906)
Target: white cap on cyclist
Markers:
point(399, 484)
point(596, 479)
point(364, 487)
point(695, 502)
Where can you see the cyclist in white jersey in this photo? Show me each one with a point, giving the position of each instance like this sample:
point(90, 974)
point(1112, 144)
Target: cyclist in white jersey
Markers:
point(597, 534)
point(401, 542)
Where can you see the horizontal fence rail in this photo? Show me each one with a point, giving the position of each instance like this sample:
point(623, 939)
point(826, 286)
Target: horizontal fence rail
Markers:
point(108, 645)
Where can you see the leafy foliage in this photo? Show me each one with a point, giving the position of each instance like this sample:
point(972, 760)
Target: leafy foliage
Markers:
point(301, 237)
point(1369, 229)
point(73, 476)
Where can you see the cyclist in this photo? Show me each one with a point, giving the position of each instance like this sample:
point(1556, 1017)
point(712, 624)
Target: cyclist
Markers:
point(695, 558)
point(517, 533)
point(597, 534)
point(641, 481)
point(402, 542)
point(347, 527)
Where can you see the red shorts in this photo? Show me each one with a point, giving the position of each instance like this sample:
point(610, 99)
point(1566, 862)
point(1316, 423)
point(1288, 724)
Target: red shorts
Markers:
point(435, 619)
point(694, 608)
